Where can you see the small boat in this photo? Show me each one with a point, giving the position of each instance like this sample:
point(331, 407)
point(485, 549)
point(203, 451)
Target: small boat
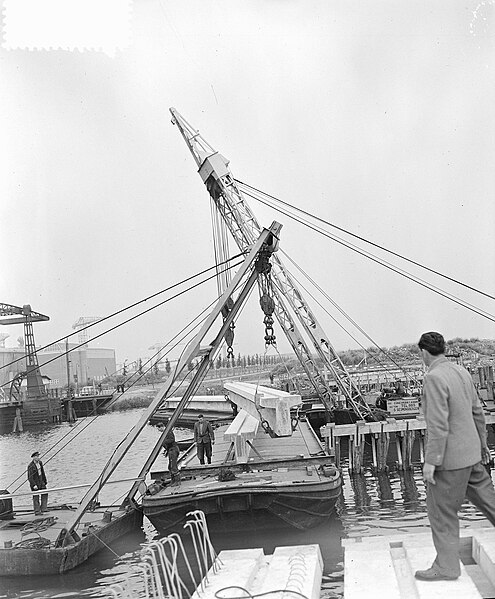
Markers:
point(41, 545)
point(213, 407)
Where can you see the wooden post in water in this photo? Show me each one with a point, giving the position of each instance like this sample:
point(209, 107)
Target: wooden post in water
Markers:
point(407, 441)
point(382, 450)
point(330, 439)
point(422, 446)
point(356, 449)
point(337, 452)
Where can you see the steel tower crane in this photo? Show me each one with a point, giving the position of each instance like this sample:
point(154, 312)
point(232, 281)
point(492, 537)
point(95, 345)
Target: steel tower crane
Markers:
point(242, 224)
point(81, 325)
point(15, 315)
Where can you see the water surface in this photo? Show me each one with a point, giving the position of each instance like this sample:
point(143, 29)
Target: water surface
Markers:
point(371, 505)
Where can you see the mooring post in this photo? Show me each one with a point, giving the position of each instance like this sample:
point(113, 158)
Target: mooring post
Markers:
point(337, 452)
point(422, 446)
point(356, 449)
point(398, 443)
point(373, 449)
point(330, 438)
point(383, 445)
point(407, 445)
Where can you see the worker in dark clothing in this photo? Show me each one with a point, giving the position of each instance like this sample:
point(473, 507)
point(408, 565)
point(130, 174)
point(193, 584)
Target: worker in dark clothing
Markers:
point(171, 450)
point(37, 482)
point(204, 438)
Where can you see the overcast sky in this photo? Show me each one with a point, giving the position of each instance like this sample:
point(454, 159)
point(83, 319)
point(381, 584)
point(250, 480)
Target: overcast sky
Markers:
point(376, 116)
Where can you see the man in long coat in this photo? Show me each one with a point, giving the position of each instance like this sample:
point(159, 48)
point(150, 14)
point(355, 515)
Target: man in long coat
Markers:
point(455, 452)
point(37, 482)
point(204, 438)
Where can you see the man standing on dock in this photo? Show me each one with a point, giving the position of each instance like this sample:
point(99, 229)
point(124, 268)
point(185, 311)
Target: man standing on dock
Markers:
point(455, 452)
point(37, 482)
point(204, 438)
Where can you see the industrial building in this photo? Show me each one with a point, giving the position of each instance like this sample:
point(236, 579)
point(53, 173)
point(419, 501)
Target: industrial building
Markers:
point(86, 365)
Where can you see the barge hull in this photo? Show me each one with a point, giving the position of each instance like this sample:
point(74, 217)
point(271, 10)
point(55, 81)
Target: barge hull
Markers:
point(38, 562)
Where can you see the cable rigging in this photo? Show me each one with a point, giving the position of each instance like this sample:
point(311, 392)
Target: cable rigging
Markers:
point(351, 320)
point(382, 262)
point(245, 185)
point(216, 266)
point(125, 321)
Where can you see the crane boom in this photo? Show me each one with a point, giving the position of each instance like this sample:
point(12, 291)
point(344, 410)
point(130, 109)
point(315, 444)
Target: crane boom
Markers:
point(242, 224)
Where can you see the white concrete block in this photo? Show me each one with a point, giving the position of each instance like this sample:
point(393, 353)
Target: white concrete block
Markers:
point(297, 568)
point(239, 568)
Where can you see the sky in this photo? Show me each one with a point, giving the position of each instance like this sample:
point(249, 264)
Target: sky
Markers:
point(378, 117)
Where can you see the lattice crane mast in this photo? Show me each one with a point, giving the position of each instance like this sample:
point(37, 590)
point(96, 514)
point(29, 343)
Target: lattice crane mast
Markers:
point(81, 325)
point(243, 226)
point(15, 315)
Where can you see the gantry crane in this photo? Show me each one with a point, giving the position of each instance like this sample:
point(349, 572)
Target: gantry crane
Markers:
point(242, 224)
point(15, 315)
point(82, 323)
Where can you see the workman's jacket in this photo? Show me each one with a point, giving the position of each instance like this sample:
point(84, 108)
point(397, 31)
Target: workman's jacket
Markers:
point(34, 477)
point(207, 435)
point(455, 423)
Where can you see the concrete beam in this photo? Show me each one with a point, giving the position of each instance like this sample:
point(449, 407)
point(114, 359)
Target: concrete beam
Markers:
point(266, 404)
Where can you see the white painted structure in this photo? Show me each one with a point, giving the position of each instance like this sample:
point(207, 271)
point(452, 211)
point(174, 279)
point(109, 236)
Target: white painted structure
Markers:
point(377, 567)
point(298, 569)
point(242, 433)
point(265, 404)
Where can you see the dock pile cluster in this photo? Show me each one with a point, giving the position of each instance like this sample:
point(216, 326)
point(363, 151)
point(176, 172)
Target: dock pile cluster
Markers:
point(403, 433)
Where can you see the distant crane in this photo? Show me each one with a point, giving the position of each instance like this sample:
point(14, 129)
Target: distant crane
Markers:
point(10, 314)
point(83, 322)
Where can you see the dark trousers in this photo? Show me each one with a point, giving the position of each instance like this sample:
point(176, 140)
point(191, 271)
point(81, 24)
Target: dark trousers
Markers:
point(44, 503)
point(173, 468)
point(444, 500)
point(204, 449)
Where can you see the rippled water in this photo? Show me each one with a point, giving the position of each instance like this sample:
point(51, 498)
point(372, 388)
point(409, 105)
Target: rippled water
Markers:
point(371, 505)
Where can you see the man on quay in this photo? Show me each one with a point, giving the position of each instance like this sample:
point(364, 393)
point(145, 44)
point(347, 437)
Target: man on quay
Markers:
point(455, 452)
point(204, 438)
point(37, 482)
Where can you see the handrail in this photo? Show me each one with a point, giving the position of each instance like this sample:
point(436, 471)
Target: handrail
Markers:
point(46, 491)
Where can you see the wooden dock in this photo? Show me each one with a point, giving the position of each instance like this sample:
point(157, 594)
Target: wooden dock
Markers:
point(376, 567)
point(403, 433)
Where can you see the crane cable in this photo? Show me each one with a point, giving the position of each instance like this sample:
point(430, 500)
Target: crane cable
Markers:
point(386, 264)
point(125, 321)
point(351, 320)
point(89, 423)
point(363, 239)
point(137, 379)
point(129, 307)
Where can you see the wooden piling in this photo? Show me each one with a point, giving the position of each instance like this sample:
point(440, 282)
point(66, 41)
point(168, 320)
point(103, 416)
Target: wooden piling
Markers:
point(356, 450)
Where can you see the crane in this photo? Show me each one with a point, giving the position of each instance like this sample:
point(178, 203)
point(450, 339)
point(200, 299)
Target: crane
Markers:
point(83, 322)
point(244, 228)
point(10, 314)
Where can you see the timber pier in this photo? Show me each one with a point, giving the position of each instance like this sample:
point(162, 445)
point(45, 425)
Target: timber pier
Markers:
point(404, 434)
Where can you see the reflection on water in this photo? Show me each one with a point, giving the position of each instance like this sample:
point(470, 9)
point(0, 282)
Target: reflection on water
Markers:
point(383, 504)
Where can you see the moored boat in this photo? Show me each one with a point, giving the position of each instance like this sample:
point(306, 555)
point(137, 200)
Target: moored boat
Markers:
point(286, 481)
point(39, 546)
